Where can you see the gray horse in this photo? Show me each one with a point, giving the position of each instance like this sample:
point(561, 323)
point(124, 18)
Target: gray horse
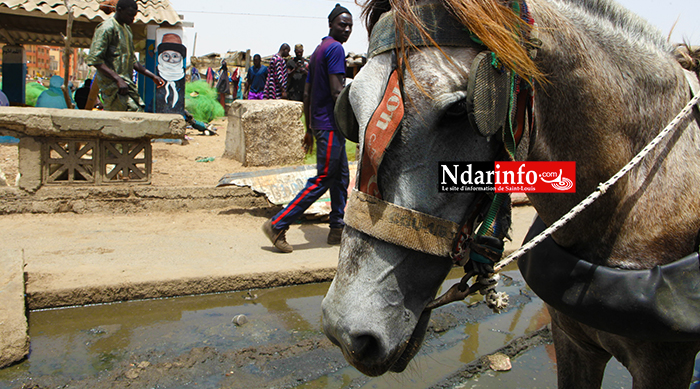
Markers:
point(606, 82)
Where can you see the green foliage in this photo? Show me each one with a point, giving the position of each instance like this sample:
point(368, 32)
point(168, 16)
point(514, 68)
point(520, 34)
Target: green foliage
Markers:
point(204, 106)
point(350, 148)
point(32, 92)
point(310, 158)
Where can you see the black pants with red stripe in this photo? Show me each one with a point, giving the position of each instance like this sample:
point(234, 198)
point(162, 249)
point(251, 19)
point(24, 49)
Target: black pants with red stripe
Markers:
point(331, 174)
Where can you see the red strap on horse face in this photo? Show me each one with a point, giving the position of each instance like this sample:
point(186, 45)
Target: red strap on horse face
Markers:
point(380, 131)
point(524, 100)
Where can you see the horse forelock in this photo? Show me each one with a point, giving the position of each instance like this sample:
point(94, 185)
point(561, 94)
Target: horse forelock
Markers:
point(493, 22)
point(372, 10)
point(689, 57)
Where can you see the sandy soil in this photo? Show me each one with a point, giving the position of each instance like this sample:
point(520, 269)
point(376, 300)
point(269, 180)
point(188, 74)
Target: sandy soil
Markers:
point(176, 165)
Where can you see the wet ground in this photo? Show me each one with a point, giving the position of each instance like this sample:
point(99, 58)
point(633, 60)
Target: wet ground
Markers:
point(193, 342)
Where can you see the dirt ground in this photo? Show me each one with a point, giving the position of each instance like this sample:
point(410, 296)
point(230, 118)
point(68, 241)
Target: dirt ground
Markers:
point(176, 165)
point(288, 363)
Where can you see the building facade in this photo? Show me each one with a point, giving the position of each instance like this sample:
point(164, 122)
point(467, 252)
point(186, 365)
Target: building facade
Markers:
point(38, 61)
point(46, 61)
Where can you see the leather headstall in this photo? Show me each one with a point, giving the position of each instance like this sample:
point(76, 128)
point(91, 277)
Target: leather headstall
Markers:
point(493, 104)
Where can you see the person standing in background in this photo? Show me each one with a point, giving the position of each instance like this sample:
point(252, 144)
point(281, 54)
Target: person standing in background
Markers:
point(276, 84)
point(255, 80)
point(234, 83)
point(52, 97)
point(222, 85)
point(82, 93)
point(4, 102)
point(298, 70)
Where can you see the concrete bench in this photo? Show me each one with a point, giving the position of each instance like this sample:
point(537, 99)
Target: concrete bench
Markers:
point(70, 146)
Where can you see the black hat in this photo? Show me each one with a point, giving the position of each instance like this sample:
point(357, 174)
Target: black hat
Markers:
point(172, 42)
point(172, 46)
point(339, 9)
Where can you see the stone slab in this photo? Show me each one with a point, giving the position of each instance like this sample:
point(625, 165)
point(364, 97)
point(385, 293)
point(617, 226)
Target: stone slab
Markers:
point(265, 132)
point(281, 185)
point(77, 123)
point(127, 199)
point(14, 338)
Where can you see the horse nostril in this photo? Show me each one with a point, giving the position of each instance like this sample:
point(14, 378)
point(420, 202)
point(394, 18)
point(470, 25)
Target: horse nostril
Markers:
point(357, 344)
point(364, 346)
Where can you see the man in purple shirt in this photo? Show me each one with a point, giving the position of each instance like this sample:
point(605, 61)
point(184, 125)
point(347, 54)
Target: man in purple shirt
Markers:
point(324, 82)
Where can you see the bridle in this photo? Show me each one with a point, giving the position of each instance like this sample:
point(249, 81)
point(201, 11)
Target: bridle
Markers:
point(498, 103)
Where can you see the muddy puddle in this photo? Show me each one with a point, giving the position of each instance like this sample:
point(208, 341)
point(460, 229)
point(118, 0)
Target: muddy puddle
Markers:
point(193, 342)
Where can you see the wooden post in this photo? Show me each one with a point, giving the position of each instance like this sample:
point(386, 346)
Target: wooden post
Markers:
point(194, 46)
point(92, 97)
point(66, 55)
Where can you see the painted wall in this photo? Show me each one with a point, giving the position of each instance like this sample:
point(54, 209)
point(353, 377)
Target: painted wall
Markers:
point(14, 73)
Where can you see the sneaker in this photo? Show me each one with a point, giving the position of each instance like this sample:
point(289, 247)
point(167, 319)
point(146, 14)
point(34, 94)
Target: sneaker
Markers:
point(334, 235)
point(277, 237)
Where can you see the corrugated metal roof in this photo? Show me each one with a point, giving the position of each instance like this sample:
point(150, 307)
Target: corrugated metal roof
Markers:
point(41, 22)
point(150, 11)
point(45, 31)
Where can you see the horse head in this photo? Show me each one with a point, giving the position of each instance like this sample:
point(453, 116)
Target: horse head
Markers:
point(612, 83)
point(375, 309)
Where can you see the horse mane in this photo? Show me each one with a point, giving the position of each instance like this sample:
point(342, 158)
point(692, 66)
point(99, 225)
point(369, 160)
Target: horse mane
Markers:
point(624, 19)
point(494, 23)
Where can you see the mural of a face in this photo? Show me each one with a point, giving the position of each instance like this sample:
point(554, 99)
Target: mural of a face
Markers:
point(170, 66)
point(172, 57)
point(170, 69)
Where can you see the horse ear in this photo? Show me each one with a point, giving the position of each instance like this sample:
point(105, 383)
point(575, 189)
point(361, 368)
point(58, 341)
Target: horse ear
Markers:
point(488, 95)
point(345, 117)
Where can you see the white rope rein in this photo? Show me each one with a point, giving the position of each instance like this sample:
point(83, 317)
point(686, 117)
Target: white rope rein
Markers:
point(600, 190)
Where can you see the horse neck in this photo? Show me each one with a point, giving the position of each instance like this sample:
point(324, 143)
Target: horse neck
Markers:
point(613, 85)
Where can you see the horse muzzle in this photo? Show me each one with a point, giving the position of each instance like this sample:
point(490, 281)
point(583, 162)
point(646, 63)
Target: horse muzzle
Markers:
point(374, 308)
point(365, 348)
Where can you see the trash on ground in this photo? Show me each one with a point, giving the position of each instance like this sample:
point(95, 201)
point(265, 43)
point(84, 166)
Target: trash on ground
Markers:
point(499, 362)
point(239, 320)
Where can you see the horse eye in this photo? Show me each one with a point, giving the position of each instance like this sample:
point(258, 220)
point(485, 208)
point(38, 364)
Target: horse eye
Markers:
point(456, 111)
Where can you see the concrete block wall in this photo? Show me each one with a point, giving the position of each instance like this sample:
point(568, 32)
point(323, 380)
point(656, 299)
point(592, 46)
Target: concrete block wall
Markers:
point(265, 132)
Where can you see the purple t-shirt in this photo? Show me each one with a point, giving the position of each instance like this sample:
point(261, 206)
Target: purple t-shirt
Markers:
point(328, 58)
